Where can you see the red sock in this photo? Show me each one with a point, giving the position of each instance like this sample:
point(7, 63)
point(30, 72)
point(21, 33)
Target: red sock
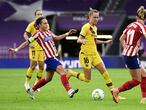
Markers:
point(65, 82)
point(143, 86)
point(39, 84)
point(128, 85)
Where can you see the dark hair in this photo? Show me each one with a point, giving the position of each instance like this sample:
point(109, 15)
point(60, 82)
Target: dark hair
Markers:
point(38, 21)
point(91, 12)
point(141, 12)
point(36, 11)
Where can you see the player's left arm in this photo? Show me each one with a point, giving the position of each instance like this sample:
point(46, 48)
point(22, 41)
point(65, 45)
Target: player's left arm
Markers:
point(103, 42)
point(59, 37)
point(144, 33)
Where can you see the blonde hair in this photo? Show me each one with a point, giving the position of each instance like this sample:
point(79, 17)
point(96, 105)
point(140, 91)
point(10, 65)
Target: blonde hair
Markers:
point(141, 12)
point(36, 11)
point(91, 12)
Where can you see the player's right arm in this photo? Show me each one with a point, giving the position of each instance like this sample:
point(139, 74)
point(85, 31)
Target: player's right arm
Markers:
point(28, 33)
point(81, 40)
point(23, 45)
point(122, 40)
point(83, 33)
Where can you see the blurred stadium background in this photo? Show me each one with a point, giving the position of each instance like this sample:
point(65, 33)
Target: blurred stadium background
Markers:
point(63, 15)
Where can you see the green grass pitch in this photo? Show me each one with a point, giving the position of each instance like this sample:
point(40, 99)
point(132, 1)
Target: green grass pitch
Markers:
point(53, 96)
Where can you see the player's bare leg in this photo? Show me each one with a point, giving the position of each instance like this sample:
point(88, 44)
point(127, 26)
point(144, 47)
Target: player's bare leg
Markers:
point(60, 70)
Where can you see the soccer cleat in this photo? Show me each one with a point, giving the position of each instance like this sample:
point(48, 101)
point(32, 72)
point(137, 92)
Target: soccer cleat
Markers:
point(26, 85)
point(71, 92)
point(31, 93)
point(115, 95)
point(121, 98)
point(143, 101)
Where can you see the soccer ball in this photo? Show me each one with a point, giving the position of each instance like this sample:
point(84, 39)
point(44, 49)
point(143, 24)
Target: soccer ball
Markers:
point(98, 94)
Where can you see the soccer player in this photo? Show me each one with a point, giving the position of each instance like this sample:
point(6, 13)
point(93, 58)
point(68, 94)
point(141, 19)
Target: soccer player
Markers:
point(45, 39)
point(36, 54)
point(89, 55)
point(130, 41)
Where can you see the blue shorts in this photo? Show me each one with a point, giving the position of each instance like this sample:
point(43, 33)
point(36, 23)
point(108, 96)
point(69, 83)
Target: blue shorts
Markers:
point(132, 62)
point(52, 64)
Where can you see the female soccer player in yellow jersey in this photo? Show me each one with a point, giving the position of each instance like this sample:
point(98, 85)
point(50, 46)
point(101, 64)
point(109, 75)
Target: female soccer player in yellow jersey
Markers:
point(89, 55)
point(36, 54)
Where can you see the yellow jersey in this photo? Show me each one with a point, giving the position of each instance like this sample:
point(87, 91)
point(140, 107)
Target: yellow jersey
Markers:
point(32, 30)
point(89, 32)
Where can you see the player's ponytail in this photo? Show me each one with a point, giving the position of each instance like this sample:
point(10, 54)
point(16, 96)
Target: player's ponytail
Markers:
point(141, 13)
point(91, 12)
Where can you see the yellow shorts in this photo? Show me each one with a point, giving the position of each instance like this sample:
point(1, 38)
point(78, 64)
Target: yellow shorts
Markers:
point(87, 61)
point(36, 55)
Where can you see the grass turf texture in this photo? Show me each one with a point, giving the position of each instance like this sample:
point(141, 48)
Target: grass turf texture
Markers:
point(53, 96)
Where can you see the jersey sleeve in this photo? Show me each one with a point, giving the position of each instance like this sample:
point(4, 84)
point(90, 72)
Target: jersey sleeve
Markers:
point(53, 35)
point(125, 31)
point(29, 28)
point(144, 31)
point(84, 30)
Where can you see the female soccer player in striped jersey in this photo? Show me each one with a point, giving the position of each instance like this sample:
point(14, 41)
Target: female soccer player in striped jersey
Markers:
point(130, 41)
point(89, 55)
point(45, 39)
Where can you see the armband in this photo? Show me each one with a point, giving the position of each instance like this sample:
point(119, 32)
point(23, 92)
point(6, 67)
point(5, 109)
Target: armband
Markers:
point(31, 39)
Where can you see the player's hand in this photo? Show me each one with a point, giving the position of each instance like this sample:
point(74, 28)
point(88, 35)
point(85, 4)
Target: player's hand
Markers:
point(108, 41)
point(11, 50)
point(83, 41)
point(71, 31)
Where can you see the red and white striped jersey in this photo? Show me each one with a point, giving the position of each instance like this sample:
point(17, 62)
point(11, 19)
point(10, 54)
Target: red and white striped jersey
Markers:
point(45, 40)
point(133, 32)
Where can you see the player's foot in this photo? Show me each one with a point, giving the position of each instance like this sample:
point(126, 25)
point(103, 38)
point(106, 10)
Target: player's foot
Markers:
point(115, 93)
point(121, 98)
point(143, 101)
point(69, 73)
point(26, 85)
point(31, 93)
point(71, 92)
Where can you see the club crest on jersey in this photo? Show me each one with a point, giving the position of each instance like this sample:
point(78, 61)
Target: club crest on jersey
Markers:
point(48, 38)
point(92, 31)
